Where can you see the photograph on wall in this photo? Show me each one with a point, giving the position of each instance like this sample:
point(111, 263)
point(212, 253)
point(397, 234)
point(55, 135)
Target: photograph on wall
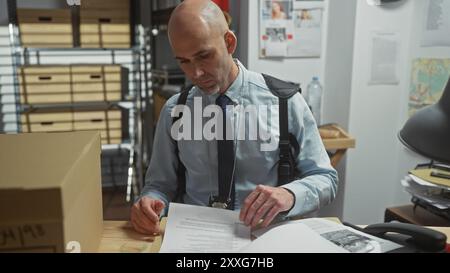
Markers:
point(276, 44)
point(275, 28)
point(428, 80)
point(276, 10)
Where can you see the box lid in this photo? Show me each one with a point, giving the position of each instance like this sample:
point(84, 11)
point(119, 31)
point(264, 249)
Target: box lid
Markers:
point(40, 160)
point(34, 169)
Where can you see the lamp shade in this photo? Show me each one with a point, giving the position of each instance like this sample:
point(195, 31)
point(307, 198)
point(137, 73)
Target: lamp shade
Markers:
point(427, 132)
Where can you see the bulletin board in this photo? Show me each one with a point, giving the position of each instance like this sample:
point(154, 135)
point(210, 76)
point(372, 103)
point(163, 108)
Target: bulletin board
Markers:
point(290, 28)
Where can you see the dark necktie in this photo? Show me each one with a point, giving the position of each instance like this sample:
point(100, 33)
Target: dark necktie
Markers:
point(225, 154)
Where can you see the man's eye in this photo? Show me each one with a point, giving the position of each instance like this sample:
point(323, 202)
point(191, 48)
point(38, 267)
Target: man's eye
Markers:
point(184, 61)
point(204, 56)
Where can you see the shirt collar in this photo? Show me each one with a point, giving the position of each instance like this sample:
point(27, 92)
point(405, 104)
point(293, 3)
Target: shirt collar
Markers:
point(234, 92)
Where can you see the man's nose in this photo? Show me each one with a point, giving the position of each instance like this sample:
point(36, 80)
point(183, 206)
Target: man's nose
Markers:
point(198, 72)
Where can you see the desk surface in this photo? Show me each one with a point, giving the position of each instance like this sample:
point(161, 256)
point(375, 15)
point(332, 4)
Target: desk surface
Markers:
point(120, 237)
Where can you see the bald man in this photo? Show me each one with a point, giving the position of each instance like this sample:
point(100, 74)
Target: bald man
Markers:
point(203, 45)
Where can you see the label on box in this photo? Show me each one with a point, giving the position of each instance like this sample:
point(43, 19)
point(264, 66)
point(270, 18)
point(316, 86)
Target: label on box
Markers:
point(35, 237)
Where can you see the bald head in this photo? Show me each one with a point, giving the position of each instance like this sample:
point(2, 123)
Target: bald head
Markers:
point(203, 45)
point(197, 17)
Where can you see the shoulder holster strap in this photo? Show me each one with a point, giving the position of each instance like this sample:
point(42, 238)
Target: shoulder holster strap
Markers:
point(286, 165)
point(181, 171)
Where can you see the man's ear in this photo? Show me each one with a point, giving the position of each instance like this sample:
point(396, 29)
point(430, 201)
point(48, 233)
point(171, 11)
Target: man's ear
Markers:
point(230, 41)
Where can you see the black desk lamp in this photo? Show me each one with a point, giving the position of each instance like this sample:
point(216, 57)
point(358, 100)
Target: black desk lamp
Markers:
point(427, 132)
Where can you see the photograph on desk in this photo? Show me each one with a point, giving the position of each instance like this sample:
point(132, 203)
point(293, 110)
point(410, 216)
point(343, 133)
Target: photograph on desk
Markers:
point(151, 126)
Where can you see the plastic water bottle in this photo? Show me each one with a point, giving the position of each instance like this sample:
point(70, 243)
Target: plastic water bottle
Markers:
point(314, 98)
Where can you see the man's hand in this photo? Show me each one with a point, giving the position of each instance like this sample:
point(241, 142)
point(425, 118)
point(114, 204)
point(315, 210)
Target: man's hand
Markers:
point(267, 202)
point(145, 215)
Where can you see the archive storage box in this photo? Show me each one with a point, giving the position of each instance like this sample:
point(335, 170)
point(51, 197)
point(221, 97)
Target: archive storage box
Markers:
point(105, 24)
point(99, 82)
point(47, 122)
point(44, 84)
point(107, 122)
point(72, 84)
point(45, 28)
point(50, 192)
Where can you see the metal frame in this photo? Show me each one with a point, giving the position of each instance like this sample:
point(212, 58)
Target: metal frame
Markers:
point(137, 99)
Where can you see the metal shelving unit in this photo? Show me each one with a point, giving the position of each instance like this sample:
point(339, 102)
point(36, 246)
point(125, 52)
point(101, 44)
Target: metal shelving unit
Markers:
point(136, 102)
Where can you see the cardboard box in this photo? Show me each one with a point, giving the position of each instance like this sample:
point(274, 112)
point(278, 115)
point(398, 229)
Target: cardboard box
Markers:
point(50, 192)
point(99, 82)
point(48, 84)
point(105, 27)
point(44, 84)
point(45, 27)
point(108, 122)
point(101, 4)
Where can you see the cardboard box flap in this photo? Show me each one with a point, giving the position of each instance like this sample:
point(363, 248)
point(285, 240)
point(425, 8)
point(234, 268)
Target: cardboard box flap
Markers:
point(40, 160)
point(50, 191)
point(37, 171)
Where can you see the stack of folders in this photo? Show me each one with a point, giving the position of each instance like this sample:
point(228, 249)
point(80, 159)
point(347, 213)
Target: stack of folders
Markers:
point(429, 186)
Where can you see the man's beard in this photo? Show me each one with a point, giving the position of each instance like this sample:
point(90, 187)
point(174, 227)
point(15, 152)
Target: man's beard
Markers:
point(211, 91)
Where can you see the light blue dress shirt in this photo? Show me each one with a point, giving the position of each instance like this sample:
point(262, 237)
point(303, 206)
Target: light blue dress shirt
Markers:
point(315, 188)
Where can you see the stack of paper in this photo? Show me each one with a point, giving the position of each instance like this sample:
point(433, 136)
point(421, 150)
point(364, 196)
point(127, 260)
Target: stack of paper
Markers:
point(203, 229)
point(429, 191)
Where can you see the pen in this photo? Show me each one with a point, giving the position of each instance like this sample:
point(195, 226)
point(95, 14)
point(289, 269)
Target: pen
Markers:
point(440, 175)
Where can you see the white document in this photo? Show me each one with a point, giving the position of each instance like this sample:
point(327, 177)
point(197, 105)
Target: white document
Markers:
point(307, 39)
point(384, 66)
point(436, 26)
point(432, 194)
point(316, 235)
point(292, 238)
point(276, 49)
point(276, 38)
point(196, 229)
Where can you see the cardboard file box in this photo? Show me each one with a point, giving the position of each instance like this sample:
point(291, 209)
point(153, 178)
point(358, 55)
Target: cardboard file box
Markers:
point(45, 27)
point(63, 84)
point(47, 122)
point(99, 82)
point(105, 27)
point(50, 192)
point(108, 122)
point(102, 4)
point(45, 84)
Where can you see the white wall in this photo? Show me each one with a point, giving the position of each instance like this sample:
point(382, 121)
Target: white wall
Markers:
point(337, 81)
point(378, 112)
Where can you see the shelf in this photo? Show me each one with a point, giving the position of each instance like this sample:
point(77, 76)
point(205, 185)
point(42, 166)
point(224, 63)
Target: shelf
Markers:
point(124, 145)
point(133, 58)
point(33, 49)
point(82, 105)
point(161, 17)
point(334, 137)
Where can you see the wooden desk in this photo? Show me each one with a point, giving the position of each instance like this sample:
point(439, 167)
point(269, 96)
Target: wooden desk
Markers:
point(419, 216)
point(120, 237)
